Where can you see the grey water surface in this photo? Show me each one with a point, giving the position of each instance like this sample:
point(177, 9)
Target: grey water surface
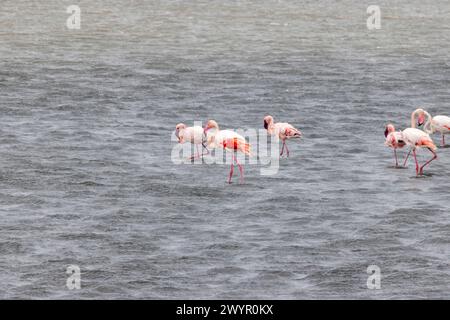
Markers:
point(87, 179)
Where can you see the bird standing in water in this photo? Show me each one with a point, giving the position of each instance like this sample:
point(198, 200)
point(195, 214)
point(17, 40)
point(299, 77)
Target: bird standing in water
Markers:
point(394, 141)
point(432, 124)
point(416, 138)
point(194, 135)
point(231, 142)
point(283, 130)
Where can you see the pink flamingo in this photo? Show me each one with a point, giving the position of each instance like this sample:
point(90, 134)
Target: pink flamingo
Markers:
point(230, 141)
point(433, 124)
point(394, 141)
point(284, 131)
point(192, 134)
point(416, 138)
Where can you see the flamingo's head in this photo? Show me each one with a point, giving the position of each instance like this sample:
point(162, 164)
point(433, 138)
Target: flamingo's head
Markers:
point(178, 128)
point(209, 125)
point(391, 140)
point(420, 117)
point(395, 140)
point(389, 128)
point(268, 120)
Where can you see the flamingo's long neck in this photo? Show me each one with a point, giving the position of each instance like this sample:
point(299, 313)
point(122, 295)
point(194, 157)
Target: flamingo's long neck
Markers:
point(216, 127)
point(413, 119)
point(271, 127)
point(428, 127)
point(213, 135)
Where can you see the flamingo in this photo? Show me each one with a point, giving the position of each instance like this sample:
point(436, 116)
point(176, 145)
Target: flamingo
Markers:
point(284, 131)
point(394, 140)
point(192, 134)
point(230, 141)
point(416, 138)
point(433, 124)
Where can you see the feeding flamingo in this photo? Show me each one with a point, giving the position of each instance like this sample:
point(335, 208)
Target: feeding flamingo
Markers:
point(284, 131)
point(230, 141)
point(416, 138)
point(394, 140)
point(433, 124)
point(192, 134)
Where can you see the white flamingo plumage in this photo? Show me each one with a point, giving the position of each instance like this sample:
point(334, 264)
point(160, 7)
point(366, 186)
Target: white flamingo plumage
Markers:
point(394, 140)
point(230, 141)
point(193, 135)
point(437, 123)
point(284, 131)
point(416, 138)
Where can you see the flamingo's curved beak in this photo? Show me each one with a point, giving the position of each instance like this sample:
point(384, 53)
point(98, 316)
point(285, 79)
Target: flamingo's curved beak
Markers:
point(386, 132)
point(421, 120)
point(266, 125)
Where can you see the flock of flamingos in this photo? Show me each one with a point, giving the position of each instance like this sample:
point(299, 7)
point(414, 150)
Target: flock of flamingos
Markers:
point(416, 138)
point(233, 142)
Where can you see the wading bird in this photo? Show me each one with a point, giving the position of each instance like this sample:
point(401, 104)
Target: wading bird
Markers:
point(416, 138)
point(194, 135)
point(283, 130)
point(432, 124)
point(230, 141)
point(394, 140)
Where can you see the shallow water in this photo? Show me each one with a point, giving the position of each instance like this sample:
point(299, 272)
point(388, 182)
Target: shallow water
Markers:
point(86, 175)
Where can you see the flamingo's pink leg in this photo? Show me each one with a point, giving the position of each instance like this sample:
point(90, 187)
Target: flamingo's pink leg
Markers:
point(241, 170)
point(231, 172)
point(443, 140)
point(417, 164)
point(287, 150)
point(195, 156)
point(282, 149)
point(407, 156)
point(426, 163)
point(395, 155)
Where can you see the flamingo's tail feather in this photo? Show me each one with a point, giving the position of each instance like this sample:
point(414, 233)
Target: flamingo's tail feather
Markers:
point(293, 133)
point(243, 146)
point(238, 144)
point(246, 149)
point(428, 143)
